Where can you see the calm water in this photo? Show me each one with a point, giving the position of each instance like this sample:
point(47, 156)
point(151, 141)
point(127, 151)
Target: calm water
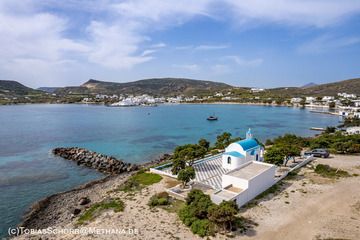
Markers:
point(29, 172)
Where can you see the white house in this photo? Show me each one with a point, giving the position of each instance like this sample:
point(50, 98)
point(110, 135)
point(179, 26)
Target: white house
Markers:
point(310, 99)
point(328, 98)
point(353, 130)
point(296, 100)
point(247, 175)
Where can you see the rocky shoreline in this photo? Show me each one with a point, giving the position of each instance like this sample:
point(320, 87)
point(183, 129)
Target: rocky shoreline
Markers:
point(58, 209)
point(100, 162)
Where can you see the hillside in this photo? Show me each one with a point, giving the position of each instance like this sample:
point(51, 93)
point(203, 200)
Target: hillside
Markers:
point(311, 84)
point(48, 89)
point(11, 88)
point(154, 86)
point(348, 86)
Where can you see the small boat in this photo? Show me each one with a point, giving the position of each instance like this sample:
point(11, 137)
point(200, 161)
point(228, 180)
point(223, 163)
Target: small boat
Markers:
point(212, 118)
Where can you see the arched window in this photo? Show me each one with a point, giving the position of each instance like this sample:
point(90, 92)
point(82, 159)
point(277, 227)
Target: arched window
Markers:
point(257, 157)
point(229, 160)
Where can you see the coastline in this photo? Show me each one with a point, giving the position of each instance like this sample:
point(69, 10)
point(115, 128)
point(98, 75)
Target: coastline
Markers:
point(47, 211)
point(39, 206)
point(185, 103)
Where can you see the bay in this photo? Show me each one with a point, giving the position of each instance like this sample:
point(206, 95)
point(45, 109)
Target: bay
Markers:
point(28, 133)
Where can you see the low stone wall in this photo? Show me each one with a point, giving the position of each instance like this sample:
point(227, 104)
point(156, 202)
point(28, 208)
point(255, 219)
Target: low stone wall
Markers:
point(100, 162)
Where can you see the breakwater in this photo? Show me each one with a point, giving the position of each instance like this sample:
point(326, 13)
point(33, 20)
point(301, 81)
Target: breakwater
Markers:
point(100, 162)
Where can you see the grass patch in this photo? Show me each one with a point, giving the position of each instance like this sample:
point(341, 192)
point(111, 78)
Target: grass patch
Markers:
point(329, 172)
point(139, 181)
point(175, 206)
point(116, 204)
point(147, 178)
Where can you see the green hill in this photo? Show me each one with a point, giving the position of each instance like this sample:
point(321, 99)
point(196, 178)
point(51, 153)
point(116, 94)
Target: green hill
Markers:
point(348, 86)
point(11, 88)
point(154, 86)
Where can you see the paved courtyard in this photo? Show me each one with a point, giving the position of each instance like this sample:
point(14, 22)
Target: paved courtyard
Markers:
point(208, 171)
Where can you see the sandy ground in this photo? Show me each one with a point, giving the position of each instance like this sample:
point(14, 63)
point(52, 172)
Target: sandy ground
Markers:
point(308, 207)
point(312, 207)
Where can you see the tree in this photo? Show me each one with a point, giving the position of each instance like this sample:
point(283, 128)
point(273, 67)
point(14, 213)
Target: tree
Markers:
point(198, 203)
point(332, 105)
point(330, 129)
point(204, 143)
point(189, 152)
point(274, 155)
point(223, 140)
point(269, 142)
point(223, 214)
point(302, 102)
point(186, 175)
point(178, 164)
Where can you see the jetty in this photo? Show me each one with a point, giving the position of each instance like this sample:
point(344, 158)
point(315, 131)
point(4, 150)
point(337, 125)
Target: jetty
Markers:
point(100, 162)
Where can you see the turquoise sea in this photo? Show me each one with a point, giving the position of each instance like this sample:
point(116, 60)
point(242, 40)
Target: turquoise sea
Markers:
point(28, 171)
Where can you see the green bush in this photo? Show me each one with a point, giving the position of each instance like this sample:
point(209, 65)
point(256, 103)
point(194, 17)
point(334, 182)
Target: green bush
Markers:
point(274, 155)
point(202, 227)
point(329, 172)
point(186, 216)
point(159, 199)
point(116, 204)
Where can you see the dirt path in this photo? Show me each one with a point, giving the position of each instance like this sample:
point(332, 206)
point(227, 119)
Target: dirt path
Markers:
point(316, 208)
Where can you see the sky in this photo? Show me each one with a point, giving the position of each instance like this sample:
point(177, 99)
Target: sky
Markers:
point(253, 43)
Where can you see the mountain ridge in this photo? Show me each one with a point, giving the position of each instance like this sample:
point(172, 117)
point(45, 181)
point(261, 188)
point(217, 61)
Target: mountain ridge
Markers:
point(152, 86)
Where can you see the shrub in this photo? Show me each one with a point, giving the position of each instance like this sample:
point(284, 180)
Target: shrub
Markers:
point(202, 227)
point(329, 172)
point(187, 216)
point(116, 204)
point(159, 199)
point(223, 214)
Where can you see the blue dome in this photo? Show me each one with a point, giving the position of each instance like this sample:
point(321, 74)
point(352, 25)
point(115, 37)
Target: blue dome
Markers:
point(248, 144)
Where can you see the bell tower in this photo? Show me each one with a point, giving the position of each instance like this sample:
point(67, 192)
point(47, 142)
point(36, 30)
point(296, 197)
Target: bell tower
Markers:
point(249, 134)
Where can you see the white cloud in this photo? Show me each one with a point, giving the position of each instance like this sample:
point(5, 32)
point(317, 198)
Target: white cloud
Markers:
point(327, 43)
point(158, 45)
point(162, 12)
point(116, 46)
point(39, 46)
point(318, 13)
point(244, 62)
point(189, 67)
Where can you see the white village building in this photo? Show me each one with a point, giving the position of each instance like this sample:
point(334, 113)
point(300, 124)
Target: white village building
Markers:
point(353, 130)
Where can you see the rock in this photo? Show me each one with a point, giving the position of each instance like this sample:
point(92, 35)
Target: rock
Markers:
point(76, 211)
point(84, 201)
point(102, 163)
